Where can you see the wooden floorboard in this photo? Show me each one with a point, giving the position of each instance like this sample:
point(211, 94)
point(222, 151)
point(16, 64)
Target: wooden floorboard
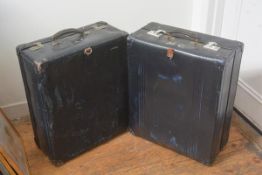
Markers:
point(127, 154)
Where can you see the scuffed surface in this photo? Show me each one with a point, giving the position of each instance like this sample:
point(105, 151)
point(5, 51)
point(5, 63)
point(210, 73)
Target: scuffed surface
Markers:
point(181, 103)
point(76, 101)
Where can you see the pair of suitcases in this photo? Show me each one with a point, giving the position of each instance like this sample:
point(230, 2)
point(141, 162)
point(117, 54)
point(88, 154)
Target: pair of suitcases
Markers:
point(172, 86)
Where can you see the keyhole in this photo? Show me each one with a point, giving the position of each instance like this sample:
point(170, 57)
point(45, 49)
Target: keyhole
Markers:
point(88, 51)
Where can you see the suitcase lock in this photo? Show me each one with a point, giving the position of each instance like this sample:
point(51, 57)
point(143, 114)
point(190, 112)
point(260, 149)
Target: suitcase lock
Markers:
point(170, 53)
point(88, 51)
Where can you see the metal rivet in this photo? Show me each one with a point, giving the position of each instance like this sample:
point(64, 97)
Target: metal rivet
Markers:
point(88, 51)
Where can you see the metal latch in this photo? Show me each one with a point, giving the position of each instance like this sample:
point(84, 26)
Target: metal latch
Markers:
point(36, 46)
point(212, 46)
point(156, 33)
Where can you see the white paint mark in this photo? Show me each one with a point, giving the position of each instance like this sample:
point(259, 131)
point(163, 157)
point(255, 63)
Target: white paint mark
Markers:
point(38, 65)
point(153, 136)
point(173, 141)
point(200, 104)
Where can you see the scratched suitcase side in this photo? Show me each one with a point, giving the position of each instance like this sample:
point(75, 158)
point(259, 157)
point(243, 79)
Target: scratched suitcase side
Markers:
point(27, 92)
point(33, 84)
point(96, 110)
point(136, 88)
point(232, 93)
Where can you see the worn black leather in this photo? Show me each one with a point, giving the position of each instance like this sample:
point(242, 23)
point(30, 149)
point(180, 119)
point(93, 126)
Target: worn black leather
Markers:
point(76, 100)
point(183, 102)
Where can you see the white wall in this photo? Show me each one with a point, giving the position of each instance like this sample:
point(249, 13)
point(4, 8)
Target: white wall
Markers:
point(250, 31)
point(242, 21)
point(23, 21)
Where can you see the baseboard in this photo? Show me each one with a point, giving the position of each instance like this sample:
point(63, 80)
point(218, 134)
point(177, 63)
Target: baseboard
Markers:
point(249, 103)
point(244, 118)
point(16, 110)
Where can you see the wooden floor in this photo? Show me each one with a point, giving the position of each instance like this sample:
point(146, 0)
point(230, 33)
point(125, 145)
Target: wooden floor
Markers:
point(128, 154)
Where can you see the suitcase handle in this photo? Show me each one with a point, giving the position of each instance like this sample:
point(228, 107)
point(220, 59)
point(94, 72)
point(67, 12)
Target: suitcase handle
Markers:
point(175, 34)
point(183, 36)
point(67, 32)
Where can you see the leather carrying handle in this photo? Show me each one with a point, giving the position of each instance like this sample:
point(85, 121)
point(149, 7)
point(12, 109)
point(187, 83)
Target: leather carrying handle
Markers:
point(67, 32)
point(182, 35)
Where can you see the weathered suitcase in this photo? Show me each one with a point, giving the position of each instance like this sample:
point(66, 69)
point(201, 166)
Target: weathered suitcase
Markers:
point(182, 86)
point(76, 87)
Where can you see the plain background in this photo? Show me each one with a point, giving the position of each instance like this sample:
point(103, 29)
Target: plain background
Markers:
point(23, 21)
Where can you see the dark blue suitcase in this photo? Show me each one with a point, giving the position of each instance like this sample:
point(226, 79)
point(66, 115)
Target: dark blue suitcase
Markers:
point(182, 86)
point(76, 87)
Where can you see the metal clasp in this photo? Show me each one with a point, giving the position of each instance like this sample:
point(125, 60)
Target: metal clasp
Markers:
point(212, 46)
point(88, 51)
point(156, 33)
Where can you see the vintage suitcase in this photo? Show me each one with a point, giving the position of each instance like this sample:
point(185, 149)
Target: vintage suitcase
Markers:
point(182, 86)
point(76, 87)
